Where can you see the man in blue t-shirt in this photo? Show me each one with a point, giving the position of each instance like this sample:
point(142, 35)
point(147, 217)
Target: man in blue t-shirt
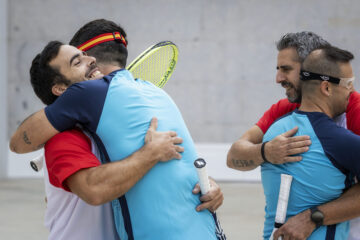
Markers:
point(328, 167)
point(117, 110)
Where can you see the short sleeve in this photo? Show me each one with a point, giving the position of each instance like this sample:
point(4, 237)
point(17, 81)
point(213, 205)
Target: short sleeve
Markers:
point(353, 113)
point(81, 103)
point(346, 153)
point(277, 110)
point(340, 145)
point(67, 153)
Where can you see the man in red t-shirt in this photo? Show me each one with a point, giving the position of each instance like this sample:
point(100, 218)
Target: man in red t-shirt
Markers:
point(246, 153)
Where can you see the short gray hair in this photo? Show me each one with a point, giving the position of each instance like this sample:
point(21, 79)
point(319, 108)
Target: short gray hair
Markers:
point(303, 42)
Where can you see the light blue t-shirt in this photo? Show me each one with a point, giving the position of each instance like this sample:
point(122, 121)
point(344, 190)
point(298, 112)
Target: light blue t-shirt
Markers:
point(323, 174)
point(118, 110)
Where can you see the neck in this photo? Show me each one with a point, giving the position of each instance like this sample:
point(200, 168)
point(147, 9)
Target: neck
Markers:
point(108, 68)
point(315, 105)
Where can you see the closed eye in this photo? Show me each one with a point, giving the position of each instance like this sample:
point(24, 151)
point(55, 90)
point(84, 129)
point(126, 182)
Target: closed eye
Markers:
point(284, 68)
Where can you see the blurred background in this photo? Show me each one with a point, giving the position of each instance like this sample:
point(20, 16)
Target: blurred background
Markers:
point(225, 76)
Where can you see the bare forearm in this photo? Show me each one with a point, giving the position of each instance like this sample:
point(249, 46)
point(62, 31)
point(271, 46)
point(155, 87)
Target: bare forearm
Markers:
point(32, 134)
point(346, 207)
point(342, 209)
point(104, 183)
point(244, 155)
point(110, 181)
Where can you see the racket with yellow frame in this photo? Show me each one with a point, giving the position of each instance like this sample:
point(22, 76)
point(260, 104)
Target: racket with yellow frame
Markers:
point(156, 64)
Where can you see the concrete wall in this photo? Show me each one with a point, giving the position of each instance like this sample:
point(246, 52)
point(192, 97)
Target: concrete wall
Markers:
point(3, 89)
point(225, 77)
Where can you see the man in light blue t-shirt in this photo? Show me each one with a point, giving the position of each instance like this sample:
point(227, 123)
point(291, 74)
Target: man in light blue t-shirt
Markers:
point(328, 167)
point(117, 110)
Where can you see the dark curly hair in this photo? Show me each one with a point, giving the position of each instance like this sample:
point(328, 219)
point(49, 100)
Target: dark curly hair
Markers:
point(43, 77)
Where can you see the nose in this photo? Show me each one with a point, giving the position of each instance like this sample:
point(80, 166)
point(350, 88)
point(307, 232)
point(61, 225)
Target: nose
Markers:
point(91, 60)
point(280, 77)
point(352, 89)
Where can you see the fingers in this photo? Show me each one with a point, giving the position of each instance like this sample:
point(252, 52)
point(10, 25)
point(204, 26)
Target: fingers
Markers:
point(291, 132)
point(179, 149)
point(286, 238)
point(177, 156)
point(177, 140)
point(297, 150)
point(216, 206)
point(298, 138)
point(153, 124)
point(299, 143)
point(196, 189)
point(214, 193)
point(292, 159)
point(213, 199)
point(298, 146)
point(276, 234)
point(203, 206)
point(212, 205)
point(172, 133)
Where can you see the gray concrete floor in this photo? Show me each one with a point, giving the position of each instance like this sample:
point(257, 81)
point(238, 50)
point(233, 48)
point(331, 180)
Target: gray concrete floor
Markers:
point(22, 208)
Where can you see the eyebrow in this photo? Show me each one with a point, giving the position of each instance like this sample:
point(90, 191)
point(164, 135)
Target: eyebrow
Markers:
point(73, 58)
point(283, 67)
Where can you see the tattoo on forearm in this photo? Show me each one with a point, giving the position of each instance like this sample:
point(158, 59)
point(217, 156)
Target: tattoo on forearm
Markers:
point(26, 138)
point(242, 163)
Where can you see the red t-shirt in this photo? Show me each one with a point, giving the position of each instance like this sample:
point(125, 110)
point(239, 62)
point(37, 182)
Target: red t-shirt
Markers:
point(284, 106)
point(65, 154)
point(353, 113)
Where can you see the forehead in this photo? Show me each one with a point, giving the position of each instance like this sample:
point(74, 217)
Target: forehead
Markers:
point(346, 70)
point(66, 52)
point(287, 56)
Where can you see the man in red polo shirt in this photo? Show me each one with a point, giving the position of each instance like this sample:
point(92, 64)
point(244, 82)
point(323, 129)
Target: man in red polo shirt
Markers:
point(246, 153)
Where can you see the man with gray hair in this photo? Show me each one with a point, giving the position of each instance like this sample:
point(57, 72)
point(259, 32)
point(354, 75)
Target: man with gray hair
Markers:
point(249, 152)
point(327, 168)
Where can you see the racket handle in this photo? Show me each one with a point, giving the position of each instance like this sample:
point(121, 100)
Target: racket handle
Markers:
point(200, 166)
point(283, 200)
point(37, 163)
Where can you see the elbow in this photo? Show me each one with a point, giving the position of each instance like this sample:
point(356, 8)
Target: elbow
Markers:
point(94, 201)
point(13, 145)
point(16, 145)
point(93, 198)
point(229, 161)
point(230, 157)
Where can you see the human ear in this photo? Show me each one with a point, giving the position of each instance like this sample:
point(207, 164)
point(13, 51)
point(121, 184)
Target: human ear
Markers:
point(325, 88)
point(58, 89)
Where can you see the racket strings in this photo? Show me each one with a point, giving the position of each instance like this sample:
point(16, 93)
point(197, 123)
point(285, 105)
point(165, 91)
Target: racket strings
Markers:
point(160, 61)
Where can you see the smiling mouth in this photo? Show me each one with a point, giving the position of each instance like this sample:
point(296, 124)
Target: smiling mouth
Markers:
point(94, 74)
point(286, 85)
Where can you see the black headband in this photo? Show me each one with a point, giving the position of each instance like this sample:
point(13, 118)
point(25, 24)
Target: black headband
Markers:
point(306, 76)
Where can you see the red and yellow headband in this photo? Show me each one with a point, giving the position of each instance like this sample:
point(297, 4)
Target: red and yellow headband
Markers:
point(106, 37)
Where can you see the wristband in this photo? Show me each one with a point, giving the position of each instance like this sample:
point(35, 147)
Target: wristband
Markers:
point(317, 216)
point(263, 151)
